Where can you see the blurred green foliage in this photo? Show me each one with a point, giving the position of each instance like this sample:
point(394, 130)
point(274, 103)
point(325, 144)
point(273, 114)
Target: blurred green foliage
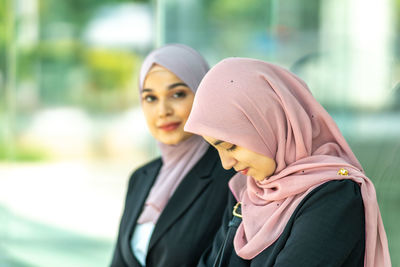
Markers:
point(110, 70)
point(2, 35)
point(111, 76)
point(397, 13)
point(56, 67)
point(226, 10)
point(65, 69)
point(23, 154)
point(76, 12)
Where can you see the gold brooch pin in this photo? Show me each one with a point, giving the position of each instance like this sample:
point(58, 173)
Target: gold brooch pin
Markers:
point(343, 171)
point(235, 210)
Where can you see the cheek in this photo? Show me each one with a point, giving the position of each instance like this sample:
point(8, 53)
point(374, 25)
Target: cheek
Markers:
point(149, 115)
point(183, 109)
point(244, 158)
point(254, 161)
point(267, 166)
point(148, 110)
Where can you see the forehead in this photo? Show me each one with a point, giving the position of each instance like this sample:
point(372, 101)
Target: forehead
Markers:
point(159, 74)
point(156, 68)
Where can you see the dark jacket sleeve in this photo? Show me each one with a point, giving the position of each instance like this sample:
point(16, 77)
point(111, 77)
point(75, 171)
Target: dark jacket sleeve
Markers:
point(209, 256)
point(328, 229)
point(117, 259)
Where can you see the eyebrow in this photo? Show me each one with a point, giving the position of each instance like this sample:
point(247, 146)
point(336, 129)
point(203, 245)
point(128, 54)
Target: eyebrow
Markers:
point(172, 86)
point(216, 143)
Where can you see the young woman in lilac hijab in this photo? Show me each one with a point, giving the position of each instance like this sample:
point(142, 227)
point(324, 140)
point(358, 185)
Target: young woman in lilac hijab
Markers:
point(302, 196)
point(174, 204)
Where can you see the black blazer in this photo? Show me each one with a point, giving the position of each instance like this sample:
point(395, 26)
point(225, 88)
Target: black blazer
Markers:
point(326, 229)
point(187, 225)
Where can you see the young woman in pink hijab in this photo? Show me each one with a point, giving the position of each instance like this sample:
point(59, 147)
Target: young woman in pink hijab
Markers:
point(301, 197)
point(174, 204)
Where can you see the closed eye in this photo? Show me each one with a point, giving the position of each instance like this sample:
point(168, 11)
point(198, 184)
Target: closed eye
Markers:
point(233, 147)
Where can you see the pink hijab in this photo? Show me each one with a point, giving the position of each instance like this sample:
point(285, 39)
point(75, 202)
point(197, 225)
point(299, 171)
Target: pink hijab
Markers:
point(267, 109)
point(189, 66)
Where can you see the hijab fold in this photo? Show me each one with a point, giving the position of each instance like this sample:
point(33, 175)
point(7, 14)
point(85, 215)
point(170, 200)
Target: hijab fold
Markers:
point(189, 66)
point(267, 109)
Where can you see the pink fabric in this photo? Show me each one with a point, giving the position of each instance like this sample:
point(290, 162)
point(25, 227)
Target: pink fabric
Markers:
point(178, 160)
point(267, 109)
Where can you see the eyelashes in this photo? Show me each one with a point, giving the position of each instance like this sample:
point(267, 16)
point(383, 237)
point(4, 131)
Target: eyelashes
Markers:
point(233, 147)
point(149, 98)
point(176, 95)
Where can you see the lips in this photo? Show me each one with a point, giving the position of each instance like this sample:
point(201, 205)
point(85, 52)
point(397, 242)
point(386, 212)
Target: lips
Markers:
point(244, 171)
point(170, 126)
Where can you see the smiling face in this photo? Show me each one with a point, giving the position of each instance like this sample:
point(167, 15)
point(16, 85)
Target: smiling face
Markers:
point(243, 160)
point(166, 102)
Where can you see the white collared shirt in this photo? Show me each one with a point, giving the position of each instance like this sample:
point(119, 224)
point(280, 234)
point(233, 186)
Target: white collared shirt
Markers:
point(140, 241)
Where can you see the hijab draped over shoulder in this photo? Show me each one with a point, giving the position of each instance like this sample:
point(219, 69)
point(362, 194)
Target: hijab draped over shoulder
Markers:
point(189, 66)
point(269, 110)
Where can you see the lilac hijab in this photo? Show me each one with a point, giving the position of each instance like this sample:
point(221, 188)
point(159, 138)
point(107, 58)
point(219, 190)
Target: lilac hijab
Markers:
point(267, 109)
point(189, 66)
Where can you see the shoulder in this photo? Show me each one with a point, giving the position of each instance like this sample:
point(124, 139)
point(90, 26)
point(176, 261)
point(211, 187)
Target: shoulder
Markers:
point(149, 165)
point(326, 229)
point(333, 198)
point(341, 190)
point(143, 169)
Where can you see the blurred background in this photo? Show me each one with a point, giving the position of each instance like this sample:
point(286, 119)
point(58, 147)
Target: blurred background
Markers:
point(71, 129)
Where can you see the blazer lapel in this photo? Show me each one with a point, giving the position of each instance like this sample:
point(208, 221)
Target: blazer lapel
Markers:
point(135, 202)
point(194, 182)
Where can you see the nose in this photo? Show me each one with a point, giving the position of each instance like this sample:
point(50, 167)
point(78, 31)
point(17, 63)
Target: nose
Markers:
point(227, 161)
point(164, 108)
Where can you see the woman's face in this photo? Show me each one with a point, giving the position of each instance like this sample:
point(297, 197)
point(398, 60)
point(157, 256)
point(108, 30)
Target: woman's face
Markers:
point(166, 103)
point(243, 160)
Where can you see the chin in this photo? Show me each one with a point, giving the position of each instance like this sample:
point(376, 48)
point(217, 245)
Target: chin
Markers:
point(171, 140)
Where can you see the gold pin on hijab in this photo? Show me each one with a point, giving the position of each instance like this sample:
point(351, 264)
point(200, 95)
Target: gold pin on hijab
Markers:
point(343, 172)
